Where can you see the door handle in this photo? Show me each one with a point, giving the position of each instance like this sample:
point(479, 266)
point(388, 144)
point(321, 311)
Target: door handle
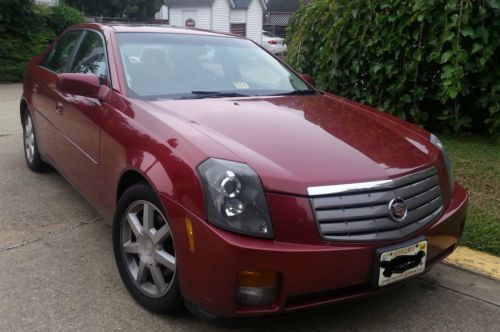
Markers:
point(35, 88)
point(59, 108)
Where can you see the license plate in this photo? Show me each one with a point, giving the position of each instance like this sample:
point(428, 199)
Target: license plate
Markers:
point(400, 262)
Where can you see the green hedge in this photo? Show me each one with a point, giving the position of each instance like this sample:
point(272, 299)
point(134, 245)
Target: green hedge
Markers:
point(433, 62)
point(25, 31)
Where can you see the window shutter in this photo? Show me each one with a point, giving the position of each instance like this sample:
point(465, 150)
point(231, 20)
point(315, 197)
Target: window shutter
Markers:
point(239, 29)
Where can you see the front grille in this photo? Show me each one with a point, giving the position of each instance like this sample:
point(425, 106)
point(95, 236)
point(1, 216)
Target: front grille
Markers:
point(360, 212)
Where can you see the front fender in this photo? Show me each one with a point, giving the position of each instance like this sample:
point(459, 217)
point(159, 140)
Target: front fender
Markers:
point(165, 160)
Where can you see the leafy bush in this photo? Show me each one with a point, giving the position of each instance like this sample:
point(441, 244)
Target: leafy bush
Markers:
point(25, 31)
point(63, 16)
point(433, 62)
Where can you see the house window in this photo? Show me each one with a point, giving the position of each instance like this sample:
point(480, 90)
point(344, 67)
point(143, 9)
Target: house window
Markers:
point(239, 29)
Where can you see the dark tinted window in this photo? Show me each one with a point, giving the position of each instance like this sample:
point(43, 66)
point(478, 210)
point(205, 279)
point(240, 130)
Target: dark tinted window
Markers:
point(90, 57)
point(62, 51)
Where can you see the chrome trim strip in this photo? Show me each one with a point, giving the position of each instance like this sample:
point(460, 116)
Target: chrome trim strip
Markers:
point(372, 185)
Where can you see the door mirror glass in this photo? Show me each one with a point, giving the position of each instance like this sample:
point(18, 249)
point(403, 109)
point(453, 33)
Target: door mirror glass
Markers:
point(86, 85)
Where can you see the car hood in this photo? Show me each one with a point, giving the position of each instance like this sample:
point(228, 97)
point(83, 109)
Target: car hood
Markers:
point(296, 142)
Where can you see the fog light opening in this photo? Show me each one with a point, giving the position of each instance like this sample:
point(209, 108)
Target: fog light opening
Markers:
point(256, 288)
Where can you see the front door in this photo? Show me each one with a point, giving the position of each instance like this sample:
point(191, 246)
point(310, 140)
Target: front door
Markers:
point(45, 97)
point(81, 119)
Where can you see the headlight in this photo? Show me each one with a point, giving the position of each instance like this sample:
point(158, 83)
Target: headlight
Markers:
point(234, 198)
point(439, 144)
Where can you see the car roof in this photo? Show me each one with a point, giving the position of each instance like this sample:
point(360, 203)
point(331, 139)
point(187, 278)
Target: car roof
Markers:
point(118, 27)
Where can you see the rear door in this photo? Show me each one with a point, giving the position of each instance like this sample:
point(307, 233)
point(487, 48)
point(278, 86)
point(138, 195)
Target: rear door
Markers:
point(45, 97)
point(81, 117)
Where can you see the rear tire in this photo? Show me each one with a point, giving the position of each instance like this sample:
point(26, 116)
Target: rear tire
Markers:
point(31, 153)
point(144, 250)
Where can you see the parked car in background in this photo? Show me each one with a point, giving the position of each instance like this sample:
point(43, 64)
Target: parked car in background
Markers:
point(273, 43)
point(231, 182)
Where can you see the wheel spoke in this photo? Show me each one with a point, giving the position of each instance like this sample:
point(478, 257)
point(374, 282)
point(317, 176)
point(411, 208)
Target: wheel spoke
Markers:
point(134, 223)
point(161, 235)
point(165, 259)
point(141, 273)
point(158, 278)
point(148, 217)
point(131, 247)
point(29, 124)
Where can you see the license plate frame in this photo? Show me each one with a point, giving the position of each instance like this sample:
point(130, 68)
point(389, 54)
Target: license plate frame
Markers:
point(399, 262)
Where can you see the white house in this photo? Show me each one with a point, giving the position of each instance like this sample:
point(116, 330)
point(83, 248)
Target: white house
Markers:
point(48, 2)
point(244, 17)
point(162, 14)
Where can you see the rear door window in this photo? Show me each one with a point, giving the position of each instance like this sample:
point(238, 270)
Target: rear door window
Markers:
point(62, 51)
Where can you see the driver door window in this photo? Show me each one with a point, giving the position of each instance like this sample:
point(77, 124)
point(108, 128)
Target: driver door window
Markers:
point(62, 51)
point(90, 57)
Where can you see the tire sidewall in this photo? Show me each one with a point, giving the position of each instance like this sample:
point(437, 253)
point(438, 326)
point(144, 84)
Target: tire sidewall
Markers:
point(172, 299)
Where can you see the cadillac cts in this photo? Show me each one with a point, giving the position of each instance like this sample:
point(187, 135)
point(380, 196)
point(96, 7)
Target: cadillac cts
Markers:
point(233, 185)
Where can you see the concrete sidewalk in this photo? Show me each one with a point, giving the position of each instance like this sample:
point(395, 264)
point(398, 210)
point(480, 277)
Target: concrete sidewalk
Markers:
point(57, 270)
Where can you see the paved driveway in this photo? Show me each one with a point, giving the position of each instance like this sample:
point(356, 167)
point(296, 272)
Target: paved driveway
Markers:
point(57, 270)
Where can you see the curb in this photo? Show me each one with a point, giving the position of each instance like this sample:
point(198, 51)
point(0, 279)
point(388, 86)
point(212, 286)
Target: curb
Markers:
point(475, 261)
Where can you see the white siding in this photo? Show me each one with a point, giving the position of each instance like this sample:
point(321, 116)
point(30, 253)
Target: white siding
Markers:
point(205, 18)
point(190, 14)
point(175, 17)
point(254, 21)
point(201, 16)
point(220, 15)
point(162, 14)
point(238, 16)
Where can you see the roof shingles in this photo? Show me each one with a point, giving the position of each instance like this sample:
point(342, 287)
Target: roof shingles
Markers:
point(238, 4)
point(284, 6)
point(188, 3)
point(241, 4)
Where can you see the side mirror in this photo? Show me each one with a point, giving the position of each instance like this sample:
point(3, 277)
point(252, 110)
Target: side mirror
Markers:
point(308, 79)
point(87, 85)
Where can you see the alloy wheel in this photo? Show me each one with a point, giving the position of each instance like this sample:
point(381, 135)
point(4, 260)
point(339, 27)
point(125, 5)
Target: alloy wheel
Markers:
point(29, 139)
point(148, 249)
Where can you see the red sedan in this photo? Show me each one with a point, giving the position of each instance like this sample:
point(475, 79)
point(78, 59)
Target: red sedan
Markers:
point(232, 184)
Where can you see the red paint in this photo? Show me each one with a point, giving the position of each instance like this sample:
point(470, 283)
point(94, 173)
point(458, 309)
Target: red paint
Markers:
point(292, 142)
point(308, 78)
point(86, 85)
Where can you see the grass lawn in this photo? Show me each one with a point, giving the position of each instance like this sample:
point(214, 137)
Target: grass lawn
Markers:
point(476, 164)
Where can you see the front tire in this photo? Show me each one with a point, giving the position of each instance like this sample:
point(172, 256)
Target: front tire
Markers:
point(31, 153)
point(144, 250)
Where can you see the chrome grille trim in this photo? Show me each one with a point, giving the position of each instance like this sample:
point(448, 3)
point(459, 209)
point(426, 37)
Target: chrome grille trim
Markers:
point(372, 185)
point(360, 211)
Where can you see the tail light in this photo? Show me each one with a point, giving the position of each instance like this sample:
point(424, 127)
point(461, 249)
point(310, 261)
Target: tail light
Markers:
point(272, 42)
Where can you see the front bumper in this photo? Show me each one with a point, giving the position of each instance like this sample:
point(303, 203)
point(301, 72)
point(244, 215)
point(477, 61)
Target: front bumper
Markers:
point(312, 271)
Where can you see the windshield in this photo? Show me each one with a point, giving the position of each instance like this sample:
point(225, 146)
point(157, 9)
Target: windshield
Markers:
point(182, 66)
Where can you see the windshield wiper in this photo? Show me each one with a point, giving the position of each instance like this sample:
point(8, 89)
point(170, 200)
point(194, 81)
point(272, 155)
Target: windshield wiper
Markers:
point(297, 93)
point(213, 94)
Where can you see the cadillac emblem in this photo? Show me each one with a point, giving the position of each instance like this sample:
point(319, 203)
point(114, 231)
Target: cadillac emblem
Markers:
point(398, 209)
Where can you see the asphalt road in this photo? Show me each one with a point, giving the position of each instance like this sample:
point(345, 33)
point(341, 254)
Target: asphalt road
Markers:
point(57, 270)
